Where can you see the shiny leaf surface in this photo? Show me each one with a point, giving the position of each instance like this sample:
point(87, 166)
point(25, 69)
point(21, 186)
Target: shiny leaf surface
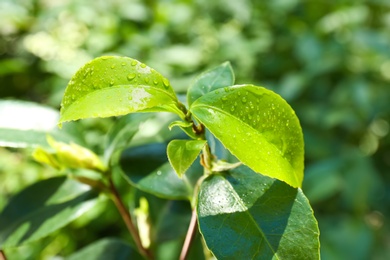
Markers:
point(113, 86)
point(244, 215)
point(182, 153)
point(258, 127)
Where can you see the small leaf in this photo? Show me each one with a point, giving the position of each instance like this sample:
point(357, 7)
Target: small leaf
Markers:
point(186, 127)
point(244, 215)
point(107, 248)
point(219, 77)
point(43, 208)
point(114, 86)
point(258, 127)
point(182, 153)
point(69, 156)
point(147, 168)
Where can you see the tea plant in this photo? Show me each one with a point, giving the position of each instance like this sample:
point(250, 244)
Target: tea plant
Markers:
point(238, 163)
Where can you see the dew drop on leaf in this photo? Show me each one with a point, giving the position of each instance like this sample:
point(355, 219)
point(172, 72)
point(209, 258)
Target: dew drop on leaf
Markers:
point(143, 65)
point(224, 98)
point(165, 82)
point(146, 80)
point(243, 100)
point(134, 62)
point(131, 76)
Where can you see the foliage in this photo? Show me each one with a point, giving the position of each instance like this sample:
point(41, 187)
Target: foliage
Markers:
point(329, 60)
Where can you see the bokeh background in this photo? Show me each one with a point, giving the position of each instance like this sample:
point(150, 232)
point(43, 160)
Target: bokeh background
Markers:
point(329, 59)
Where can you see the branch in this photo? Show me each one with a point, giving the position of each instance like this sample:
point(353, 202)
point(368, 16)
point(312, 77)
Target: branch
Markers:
point(128, 221)
point(190, 236)
point(2, 255)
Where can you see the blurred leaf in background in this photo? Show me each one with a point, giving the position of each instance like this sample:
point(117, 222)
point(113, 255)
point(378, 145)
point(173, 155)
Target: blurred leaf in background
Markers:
point(329, 59)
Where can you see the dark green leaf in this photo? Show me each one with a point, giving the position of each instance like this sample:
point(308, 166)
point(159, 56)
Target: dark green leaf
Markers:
point(43, 208)
point(147, 168)
point(114, 86)
point(244, 215)
point(258, 127)
point(107, 248)
point(219, 77)
point(182, 153)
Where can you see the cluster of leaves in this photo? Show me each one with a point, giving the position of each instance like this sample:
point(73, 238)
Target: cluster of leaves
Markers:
point(240, 213)
point(329, 60)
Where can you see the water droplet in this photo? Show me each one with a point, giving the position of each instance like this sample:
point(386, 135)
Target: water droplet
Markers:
point(111, 83)
point(134, 62)
point(243, 100)
point(147, 80)
point(155, 81)
point(130, 97)
point(232, 109)
point(165, 82)
point(224, 98)
point(158, 173)
point(143, 65)
point(123, 64)
point(217, 92)
point(239, 93)
point(226, 89)
point(131, 76)
point(113, 66)
point(287, 122)
point(73, 97)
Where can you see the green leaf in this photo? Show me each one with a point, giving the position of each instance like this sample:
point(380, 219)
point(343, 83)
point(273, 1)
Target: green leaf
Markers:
point(107, 248)
point(258, 127)
point(43, 208)
point(219, 77)
point(147, 168)
point(182, 153)
point(114, 86)
point(244, 215)
point(122, 132)
point(26, 124)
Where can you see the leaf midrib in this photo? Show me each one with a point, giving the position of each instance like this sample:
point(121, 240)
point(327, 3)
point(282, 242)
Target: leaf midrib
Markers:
point(246, 210)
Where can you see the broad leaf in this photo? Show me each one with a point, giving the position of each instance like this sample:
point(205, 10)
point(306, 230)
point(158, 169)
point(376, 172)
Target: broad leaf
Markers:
point(26, 124)
point(43, 208)
point(244, 215)
point(107, 248)
point(114, 86)
point(147, 168)
point(182, 153)
point(258, 127)
point(219, 77)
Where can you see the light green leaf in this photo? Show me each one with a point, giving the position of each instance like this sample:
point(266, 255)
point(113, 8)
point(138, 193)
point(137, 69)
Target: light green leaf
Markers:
point(258, 127)
point(244, 215)
point(182, 153)
point(107, 248)
point(26, 124)
point(219, 77)
point(113, 86)
point(43, 208)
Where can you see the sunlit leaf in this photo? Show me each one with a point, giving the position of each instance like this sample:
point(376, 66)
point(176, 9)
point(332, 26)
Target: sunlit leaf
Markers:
point(182, 153)
point(258, 127)
point(219, 77)
point(26, 124)
point(113, 86)
point(244, 215)
point(43, 208)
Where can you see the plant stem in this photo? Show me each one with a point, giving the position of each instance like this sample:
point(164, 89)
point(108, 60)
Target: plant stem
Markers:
point(190, 236)
point(128, 221)
point(2, 255)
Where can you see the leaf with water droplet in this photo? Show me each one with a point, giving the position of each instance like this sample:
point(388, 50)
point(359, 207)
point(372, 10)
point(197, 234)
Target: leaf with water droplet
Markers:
point(268, 144)
point(219, 77)
point(115, 90)
point(244, 215)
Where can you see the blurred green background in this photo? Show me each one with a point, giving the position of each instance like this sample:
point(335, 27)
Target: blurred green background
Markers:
point(329, 59)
